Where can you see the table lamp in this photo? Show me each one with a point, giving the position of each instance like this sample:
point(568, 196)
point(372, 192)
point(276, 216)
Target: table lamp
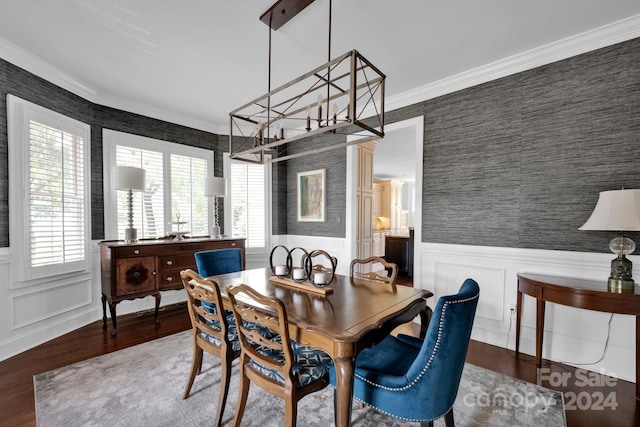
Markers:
point(131, 179)
point(617, 210)
point(215, 187)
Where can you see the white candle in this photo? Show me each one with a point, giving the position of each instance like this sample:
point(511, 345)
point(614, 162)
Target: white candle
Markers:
point(298, 274)
point(281, 270)
point(320, 278)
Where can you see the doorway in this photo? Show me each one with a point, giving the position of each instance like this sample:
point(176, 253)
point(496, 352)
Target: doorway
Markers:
point(406, 137)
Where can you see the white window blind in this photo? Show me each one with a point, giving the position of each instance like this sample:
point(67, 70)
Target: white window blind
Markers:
point(174, 196)
point(56, 196)
point(187, 189)
point(248, 198)
point(148, 206)
point(49, 190)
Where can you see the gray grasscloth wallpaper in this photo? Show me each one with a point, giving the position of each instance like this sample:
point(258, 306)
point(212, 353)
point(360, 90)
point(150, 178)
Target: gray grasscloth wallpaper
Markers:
point(519, 162)
point(516, 162)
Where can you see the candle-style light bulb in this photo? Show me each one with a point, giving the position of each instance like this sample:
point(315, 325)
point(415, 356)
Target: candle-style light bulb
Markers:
point(281, 130)
point(335, 114)
point(308, 119)
point(319, 110)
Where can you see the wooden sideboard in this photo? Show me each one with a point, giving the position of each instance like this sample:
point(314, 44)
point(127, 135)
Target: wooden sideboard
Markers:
point(147, 267)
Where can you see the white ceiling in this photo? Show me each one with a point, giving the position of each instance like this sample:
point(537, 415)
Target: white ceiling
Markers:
point(191, 62)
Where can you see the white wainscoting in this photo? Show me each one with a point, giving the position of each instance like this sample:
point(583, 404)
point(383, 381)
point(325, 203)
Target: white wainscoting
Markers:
point(32, 313)
point(572, 336)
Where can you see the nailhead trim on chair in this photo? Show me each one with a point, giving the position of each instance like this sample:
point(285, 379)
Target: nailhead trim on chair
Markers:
point(424, 370)
point(433, 354)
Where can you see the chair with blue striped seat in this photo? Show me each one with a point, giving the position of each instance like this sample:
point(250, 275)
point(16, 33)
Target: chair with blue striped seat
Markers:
point(277, 364)
point(414, 379)
point(214, 331)
point(218, 261)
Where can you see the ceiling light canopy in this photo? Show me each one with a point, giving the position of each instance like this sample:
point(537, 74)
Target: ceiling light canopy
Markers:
point(343, 96)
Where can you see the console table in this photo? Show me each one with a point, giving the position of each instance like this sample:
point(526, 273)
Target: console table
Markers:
point(147, 267)
point(579, 293)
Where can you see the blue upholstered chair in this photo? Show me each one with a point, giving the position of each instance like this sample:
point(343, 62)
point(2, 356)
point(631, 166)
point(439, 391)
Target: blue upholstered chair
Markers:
point(213, 332)
point(218, 261)
point(273, 362)
point(417, 380)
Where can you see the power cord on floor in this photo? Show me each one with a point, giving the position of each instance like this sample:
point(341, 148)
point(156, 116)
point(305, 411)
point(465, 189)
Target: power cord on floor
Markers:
point(604, 351)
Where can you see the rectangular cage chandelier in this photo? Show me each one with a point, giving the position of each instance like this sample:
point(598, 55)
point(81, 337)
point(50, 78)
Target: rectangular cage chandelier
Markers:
point(344, 96)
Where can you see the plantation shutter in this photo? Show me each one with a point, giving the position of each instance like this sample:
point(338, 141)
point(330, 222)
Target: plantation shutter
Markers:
point(56, 200)
point(188, 203)
point(248, 203)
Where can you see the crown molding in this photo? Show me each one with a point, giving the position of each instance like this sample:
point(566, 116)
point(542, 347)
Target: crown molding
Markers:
point(616, 32)
point(25, 60)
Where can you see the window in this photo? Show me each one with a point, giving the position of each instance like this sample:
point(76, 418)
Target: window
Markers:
point(247, 205)
point(49, 190)
point(174, 197)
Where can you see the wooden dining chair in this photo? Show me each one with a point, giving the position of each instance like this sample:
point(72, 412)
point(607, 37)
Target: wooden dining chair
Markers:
point(416, 379)
point(276, 364)
point(369, 268)
point(214, 331)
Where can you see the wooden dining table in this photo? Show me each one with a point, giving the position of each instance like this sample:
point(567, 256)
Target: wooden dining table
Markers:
point(356, 314)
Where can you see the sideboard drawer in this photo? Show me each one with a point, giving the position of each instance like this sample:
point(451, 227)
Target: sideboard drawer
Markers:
point(177, 262)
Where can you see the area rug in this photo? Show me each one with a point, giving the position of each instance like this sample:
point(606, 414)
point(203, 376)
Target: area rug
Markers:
point(143, 386)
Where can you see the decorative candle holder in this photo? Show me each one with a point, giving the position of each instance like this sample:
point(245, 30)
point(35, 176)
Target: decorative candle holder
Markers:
point(319, 274)
point(280, 270)
point(304, 255)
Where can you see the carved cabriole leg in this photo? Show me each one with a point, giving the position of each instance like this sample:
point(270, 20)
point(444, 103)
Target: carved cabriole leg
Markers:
point(344, 390)
point(112, 310)
point(104, 311)
point(157, 314)
point(425, 318)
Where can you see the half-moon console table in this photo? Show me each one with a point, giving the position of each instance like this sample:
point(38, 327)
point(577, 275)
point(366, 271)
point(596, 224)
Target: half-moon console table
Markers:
point(147, 267)
point(579, 293)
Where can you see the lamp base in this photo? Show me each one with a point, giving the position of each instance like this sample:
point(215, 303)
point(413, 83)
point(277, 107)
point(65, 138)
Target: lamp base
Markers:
point(620, 285)
point(215, 232)
point(130, 235)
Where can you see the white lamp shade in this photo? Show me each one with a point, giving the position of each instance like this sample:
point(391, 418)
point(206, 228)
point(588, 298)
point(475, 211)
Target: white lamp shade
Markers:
point(215, 186)
point(616, 210)
point(129, 178)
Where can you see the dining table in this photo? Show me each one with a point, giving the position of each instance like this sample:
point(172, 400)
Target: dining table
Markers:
point(352, 314)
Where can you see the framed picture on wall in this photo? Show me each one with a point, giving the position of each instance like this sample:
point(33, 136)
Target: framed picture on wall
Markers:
point(311, 196)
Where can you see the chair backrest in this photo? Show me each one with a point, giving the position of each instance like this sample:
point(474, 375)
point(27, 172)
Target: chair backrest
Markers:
point(250, 308)
point(205, 306)
point(437, 369)
point(365, 268)
point(218, 261)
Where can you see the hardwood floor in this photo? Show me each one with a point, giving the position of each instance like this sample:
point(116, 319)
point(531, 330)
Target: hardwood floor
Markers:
point(16, 373)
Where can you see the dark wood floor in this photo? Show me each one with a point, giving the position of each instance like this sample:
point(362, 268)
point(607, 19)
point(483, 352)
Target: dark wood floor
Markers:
point(16, 373)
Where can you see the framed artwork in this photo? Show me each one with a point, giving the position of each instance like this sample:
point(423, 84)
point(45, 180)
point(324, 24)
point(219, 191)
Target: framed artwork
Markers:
point(311, 196)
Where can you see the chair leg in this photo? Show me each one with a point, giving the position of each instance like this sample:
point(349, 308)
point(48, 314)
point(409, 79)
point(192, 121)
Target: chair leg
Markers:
point(290, 412)
point(225, 379)
point(242, 397)
point(196, 364)
point(448, 419)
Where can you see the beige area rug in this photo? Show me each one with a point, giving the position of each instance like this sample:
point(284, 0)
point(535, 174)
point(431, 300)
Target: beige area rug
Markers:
point(143, 386)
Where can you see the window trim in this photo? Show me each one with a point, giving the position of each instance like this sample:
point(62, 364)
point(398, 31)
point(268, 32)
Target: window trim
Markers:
point(111, 138)
point(19, 113)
